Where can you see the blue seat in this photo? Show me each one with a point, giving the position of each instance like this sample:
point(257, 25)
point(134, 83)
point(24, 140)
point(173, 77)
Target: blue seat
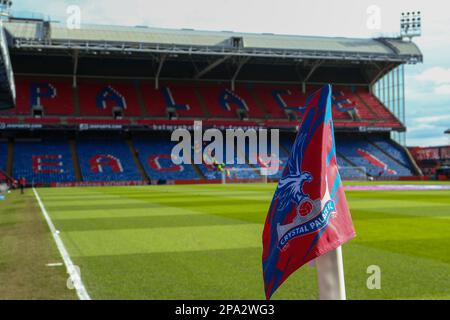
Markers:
point(354, 148)
point(155, 156)
point(105, 160)
point(3, 155)
point(43, 161)
point(349, 147)
point(346, 170)
point(233, 171)
point(282, 156)
point(392, 149)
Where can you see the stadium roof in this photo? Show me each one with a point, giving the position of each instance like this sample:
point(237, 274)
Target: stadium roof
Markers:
point(52, 35)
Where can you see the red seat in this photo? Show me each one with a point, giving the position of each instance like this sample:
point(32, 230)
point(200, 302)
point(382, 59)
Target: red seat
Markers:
point(165, 122)
point(222, 102)
point(9, 120)
point(54, 95)
point(289, 95)
point(180, 96)
point(44, 120)
point(377, 107)
point(211, 95)
point(97, 121)
point(154, 100)
point(98, 98)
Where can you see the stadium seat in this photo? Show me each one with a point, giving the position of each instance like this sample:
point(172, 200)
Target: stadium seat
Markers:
point(54, 95)
point(98, 98)
point(343, 106)
point(105, 160)
point(376, 106)
point(43, 161)
point(85, 120)
point(155, 156)
point(394, 150)
point(45, 120)
point(283, 159)
point(8, 119)
point(363, 154)
point(222, 102)
point(368, 106)
point(181, 97)
point(277, 98)
point(3, 155)
point(233, 171)
point(153, 100)
point(348, 171)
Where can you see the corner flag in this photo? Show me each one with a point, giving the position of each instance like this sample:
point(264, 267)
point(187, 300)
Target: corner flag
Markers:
point(308, 216)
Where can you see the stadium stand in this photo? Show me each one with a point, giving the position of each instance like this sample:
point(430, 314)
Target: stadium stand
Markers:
point(363, 154)
point(43, 161)
point(263, 163)
point(391, 149)
point(430, 159)
point(153, 100)
point(118, 95)
point(234, 172)
point(99, 98)
point(365, 105)
point(222, 102)
point(349, 171)
point(105, 160)
point(375, 105)
point(155, 156)
point(277, 99)
point(53, 95)
point(379, 156)
point(3, 154)
point(179, 98)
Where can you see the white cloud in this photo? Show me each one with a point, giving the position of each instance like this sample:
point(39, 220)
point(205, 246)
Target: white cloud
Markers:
point(443, 89)
point(436, 75)
point(432, 119)
point(420, 127)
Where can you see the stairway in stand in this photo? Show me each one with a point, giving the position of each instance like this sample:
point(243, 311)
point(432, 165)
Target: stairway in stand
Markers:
point(10, 161)
point(76, 163)
point(138, 163)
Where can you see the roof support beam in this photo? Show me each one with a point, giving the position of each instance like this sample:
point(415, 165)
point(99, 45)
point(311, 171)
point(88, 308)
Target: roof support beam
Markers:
point(236, 73)
point(381, 73)
point(210, 67)
point(311, 72)
point(75, 69)
point(120, 48)
point(160, 66)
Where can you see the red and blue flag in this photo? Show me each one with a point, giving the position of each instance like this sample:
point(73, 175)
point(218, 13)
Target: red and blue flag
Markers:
point(308, 216)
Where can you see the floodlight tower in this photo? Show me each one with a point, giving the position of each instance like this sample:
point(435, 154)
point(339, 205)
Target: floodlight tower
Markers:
point(5, 9)
point(411, 24)
point(390, 88)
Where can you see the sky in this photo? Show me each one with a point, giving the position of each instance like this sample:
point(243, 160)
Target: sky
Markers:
point(427, 85)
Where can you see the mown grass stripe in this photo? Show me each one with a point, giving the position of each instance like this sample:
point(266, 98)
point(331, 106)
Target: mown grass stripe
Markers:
point(70, 266)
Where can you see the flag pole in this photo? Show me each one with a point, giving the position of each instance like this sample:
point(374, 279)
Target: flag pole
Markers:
point(330, 275)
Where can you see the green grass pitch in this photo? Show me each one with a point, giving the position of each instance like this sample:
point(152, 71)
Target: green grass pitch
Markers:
point(204, 242)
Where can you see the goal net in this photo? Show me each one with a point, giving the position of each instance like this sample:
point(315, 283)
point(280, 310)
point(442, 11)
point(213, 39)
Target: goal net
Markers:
point(237, 175)
point(353, 173)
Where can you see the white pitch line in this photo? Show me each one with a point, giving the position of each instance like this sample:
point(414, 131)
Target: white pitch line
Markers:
point(56, 264)
point(71, 268)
